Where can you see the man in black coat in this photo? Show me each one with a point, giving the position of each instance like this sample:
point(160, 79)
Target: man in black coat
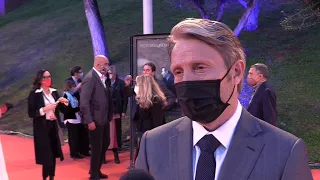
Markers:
point(76, 76)
point(119, 100)
point(263, 103)
point(96, 109)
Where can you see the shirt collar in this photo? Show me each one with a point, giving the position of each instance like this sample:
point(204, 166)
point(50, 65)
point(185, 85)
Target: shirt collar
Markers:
point(257, 86)
point(41, 90)
point(99, 74)
point(224, 133)
point(74, 79)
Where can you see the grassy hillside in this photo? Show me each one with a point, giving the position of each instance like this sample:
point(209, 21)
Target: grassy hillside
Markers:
point(54, 35)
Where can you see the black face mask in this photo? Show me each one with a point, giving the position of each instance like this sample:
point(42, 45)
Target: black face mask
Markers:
point(200, 100)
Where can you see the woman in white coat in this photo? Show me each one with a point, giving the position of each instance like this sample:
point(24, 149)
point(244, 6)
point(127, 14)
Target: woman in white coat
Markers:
point(3, 170)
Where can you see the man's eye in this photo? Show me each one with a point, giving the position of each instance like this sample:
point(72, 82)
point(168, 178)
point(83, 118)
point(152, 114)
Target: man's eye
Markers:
point(177, 72)
point(200, 67)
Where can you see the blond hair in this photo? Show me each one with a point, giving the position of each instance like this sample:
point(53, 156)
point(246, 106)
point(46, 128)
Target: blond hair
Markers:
point(214, 33)
point(148, 91)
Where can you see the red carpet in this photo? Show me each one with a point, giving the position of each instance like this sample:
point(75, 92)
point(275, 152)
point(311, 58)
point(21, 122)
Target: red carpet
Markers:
point(21, 165)
point(19, 156)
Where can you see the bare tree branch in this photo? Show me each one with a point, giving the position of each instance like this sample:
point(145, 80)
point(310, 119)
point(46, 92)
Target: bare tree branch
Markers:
point(220, 9)
point(303, 19)
point(243, 3)
point(244, 19)
point(197, 4)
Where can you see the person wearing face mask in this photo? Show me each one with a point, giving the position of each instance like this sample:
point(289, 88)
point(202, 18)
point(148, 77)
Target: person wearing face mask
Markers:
point(263, 102)
point(150, 100)
point(76, 76)
point(97, 111)
point(119, 101)
point(44, 104)
point(73, 121)
point(218, 138)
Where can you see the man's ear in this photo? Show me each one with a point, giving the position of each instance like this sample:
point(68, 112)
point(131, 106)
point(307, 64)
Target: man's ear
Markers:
point(239, 68)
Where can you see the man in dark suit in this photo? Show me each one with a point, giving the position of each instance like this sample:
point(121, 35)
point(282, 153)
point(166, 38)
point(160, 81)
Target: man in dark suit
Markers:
point(119, 100)
point(218, 138)
point(263, 103)
point(76, 76)
point(96, 108)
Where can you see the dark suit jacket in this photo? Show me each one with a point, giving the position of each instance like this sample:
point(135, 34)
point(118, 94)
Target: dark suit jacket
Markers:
point(169, 82)
point(41, 138)
point(119, 97)
point(96, 100)
point(258, 151)
point(77, 93)
point(263, 104)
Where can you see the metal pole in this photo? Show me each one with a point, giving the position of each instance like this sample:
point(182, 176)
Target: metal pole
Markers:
point(131, 100)
point(147, 17)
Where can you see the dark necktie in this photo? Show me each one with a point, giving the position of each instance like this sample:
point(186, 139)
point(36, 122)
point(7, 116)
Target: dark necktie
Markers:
point(206, 166)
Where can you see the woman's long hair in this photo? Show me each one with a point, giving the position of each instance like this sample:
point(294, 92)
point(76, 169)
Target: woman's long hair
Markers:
point(148, 91)
point(38, 78)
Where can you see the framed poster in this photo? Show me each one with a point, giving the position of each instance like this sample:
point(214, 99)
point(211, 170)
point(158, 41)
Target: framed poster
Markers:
point(151, 48)
point(154, 48)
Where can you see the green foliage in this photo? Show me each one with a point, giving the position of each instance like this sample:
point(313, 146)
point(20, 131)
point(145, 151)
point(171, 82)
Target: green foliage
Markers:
point(54, 35)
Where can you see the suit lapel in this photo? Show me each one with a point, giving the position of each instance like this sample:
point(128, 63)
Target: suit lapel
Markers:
point(262, 86)
point(101, 83)
point(244, 149)
point(180, 145)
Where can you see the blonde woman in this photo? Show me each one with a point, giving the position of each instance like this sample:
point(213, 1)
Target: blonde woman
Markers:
point(150, 99)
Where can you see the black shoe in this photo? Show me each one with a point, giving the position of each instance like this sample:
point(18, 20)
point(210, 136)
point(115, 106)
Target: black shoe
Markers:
point(85, 154)
point(116, 156)
point(117, 160)
point(103, 176)
point(77, 156)
point(51, 178)
point(94, 178)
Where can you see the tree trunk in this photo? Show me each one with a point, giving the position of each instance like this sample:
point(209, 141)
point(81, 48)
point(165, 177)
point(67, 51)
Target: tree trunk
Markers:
point(252, 23)
point(96, 28)
point(244, 19)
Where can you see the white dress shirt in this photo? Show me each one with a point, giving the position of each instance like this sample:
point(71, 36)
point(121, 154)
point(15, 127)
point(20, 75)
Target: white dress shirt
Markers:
point(103, 78)
point(75, 80)
point(224, 134)
point(48, 99)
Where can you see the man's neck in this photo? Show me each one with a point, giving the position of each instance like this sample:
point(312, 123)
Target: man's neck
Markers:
point(259, 83)
point(75, 78)
point(224, 117)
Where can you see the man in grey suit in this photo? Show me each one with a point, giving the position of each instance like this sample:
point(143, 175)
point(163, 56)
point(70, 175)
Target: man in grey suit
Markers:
point(218, 139)
point(96, 108)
